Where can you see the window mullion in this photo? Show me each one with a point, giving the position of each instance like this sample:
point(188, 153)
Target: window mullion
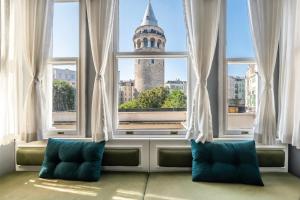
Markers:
point(151, 55)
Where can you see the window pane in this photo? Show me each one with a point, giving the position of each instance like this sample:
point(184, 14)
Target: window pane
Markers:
point(64, 97)
point(239, 39)
point(152, 93)
point(66, 29)
point(159, 27)
point(242, 90)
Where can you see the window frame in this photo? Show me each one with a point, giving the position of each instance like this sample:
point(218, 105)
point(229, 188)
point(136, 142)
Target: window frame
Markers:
point(154, 133)
point(224, 61)
point(79, 132)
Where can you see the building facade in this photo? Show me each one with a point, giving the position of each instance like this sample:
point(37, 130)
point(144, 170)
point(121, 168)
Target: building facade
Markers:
point(65, 75)
point(251, 88)
point(177, 85)
point(149, 37)
point(236, 94)
point(127, 91)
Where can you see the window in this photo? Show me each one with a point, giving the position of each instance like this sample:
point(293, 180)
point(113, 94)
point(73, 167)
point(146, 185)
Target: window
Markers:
point(64, 67)
point(145, 42)
point(152, 67)
point(152, 41)
point(240, 74)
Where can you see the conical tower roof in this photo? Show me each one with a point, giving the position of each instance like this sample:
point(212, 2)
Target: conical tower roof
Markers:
point(149, 17)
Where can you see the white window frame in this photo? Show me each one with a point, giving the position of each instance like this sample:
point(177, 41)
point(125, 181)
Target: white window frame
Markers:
point(144, 133)
point(223, 70)
point(80, 79)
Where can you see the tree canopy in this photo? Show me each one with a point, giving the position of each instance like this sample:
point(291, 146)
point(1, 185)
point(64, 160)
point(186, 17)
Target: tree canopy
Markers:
point(154, 98)
point(63, 96)
point(176, 99)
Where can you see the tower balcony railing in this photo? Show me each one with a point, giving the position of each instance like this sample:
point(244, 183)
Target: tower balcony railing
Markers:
point(138, 35)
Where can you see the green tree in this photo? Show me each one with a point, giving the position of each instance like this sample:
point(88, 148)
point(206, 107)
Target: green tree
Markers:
point(132, 104)
point(158, 97)
point(152, 98)
point(176, 99)
point(63, 96)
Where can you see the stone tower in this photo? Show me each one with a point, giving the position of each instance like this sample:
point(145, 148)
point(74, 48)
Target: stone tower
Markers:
point(149, 37)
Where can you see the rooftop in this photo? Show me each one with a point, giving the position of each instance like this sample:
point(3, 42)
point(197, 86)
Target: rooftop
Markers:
point(149, 17)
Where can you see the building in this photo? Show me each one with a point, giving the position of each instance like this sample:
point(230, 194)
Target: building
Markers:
point(251, 88)
point(236, 94)
point(177, 85)
point(149, 37)
point(127, 91)
point(65, 75)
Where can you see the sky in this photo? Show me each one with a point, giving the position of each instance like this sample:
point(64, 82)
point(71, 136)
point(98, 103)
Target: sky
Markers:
point(170, 16)
point(66, 30)
point(239, 40)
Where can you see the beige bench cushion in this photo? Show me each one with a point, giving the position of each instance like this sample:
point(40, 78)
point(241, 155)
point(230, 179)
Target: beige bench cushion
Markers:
point(111, 157)
point(178, 186)
point(113, 185)
point(176, 157)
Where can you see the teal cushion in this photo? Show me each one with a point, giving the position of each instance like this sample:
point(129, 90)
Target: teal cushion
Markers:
point(72, 160)
point(231, 162)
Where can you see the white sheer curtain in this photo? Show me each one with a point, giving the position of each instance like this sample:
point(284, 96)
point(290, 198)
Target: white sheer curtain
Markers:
point(35, 30)
point(202, 20)
point(265, 18)
point(7, 79)
point(25, 42)
point(289, 73)
point(100, 16)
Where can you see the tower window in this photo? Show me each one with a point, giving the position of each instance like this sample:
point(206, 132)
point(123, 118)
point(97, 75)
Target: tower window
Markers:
point(152, 41)
point(145, 42)
point(158, 43)
point(138, 44)
point(152, 61)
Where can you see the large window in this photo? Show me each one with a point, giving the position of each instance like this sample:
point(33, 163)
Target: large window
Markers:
point(240, 71)
point(151, 67)
point(64, 67)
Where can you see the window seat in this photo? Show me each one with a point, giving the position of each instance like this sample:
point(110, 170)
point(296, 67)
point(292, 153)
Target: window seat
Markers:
point(33, 155)
point(113, 185)
point(143, 185)
point(153, 186)
point(178, 186)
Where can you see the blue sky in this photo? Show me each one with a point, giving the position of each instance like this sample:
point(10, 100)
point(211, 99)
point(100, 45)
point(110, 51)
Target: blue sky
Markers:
point(66, 30)
point(239, 41)
point(170, 16)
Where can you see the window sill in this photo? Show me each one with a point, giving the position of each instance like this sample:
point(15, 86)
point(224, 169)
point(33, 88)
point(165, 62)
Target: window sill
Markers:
point(75, 136)
point(236, 137)
point(148, 137)
point(63, 133)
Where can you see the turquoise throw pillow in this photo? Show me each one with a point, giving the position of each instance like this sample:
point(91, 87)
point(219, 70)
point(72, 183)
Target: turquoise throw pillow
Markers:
point(230, 162)
point(72, 160)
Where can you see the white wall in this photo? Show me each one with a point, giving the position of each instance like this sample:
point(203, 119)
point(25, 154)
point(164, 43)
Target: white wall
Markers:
point(7, 158)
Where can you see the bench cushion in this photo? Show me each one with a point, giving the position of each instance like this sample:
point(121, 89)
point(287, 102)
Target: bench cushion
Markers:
point(178, 186)
point(158, 186)
point(113, 185)
point(33, 156)
point(182, 157)
point(225, 162)
point(72, 160)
